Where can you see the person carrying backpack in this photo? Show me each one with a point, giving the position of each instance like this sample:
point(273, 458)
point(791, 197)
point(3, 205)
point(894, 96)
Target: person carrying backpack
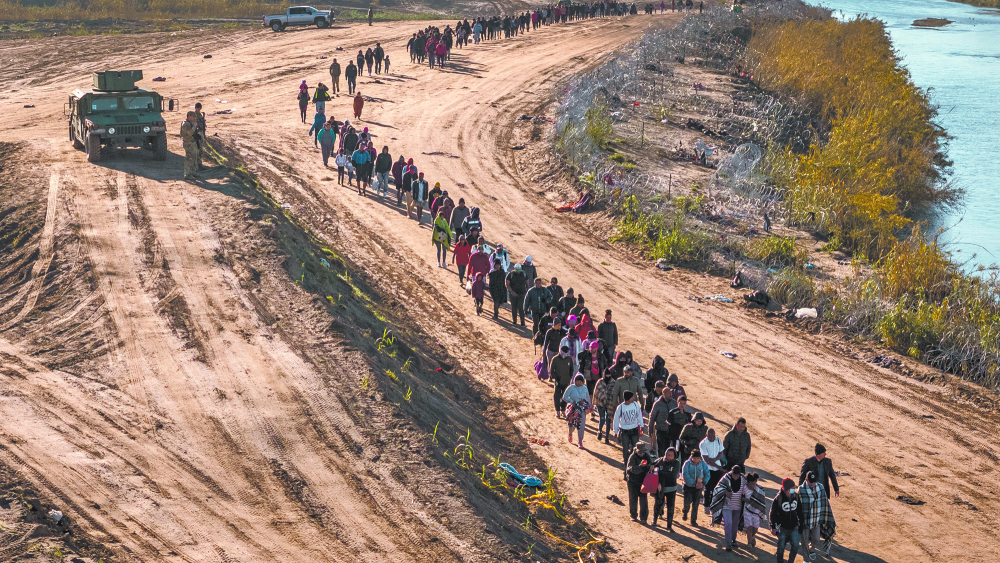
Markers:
point(536, 302)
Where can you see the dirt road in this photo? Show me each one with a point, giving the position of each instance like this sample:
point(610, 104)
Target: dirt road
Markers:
point(204, 437)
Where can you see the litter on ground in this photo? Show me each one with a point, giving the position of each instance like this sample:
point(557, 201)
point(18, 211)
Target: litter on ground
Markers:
point(719, 297)
point(729, 355)
point(806, 313)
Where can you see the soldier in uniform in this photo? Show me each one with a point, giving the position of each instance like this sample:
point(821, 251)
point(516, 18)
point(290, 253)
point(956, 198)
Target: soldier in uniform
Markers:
point(191, 137)
point(200, 127)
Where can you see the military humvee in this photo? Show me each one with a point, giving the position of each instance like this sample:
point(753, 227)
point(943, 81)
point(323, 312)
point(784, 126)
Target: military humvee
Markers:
point(117, 114)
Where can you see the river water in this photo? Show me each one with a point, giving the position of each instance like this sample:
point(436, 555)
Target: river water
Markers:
point(960, 66)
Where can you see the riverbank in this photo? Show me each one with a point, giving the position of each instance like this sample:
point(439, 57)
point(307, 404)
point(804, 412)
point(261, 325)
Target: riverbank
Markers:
point(800, 149)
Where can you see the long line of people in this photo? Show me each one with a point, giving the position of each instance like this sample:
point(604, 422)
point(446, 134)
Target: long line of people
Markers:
point(667, 447)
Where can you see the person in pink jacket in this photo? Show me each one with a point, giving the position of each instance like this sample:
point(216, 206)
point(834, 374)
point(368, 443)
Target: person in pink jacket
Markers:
point(442, 53)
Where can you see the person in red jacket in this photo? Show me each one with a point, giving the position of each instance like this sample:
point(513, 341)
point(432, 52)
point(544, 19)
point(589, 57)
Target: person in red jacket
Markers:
point(479, 261)
point(359, 104)
point(460, 256)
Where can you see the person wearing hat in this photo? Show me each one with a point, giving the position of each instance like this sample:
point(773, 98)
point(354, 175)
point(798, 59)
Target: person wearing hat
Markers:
point(727, 503)
point(303, 98)
point(190, 138)
point(517, 287)
point(552, 339)
point(592, 364)
point(737, 444)
point(432, 197)
point(561, 371)
point(637, 465)
point(528, 266)
point(786, 518)
point(536, 302)
point(501, 256)
point(823, 468)
point(458, 216)
point(628, 424)
point(577, 400)
point(409, 176)
point(676, 389)
point(446, 206)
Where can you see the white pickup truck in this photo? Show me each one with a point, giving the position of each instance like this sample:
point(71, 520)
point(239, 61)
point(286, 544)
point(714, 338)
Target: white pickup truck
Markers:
point(300, 15)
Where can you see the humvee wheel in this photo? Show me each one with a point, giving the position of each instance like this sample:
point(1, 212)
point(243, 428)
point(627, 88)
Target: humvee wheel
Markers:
point(160, 146)
point(93, 148)
point(72, 137)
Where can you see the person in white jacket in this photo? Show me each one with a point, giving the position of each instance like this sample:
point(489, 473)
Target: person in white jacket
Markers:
point(628, 424)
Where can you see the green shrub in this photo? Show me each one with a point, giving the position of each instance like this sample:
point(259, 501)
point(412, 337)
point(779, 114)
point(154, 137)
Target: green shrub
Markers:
point(680, 246)
point(793, 288)
point(618, 157)
point(775, 250)
point(635, 226)
point(914, 330)
point(599, 127)
point(688, 204)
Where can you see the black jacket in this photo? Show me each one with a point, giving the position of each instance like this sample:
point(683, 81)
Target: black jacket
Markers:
point(787, 511)
point(351, 71)
point(608, 332)
point(518, 283)
point(379, 53)
point(553, 337)
point(586, 359)
point(635, 469)
point(383, 162)
point(655, 374)
point(678, 419)
point(668, 471)
point(812, 464)
point(350, 143)
point(567, 303)
point(561, 370)
point(498, 290)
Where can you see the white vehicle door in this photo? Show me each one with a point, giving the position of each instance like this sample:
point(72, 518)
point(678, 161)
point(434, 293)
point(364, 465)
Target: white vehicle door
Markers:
point(298, 16)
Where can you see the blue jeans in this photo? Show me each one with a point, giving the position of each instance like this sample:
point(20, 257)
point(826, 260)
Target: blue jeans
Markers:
point(603, 420)
point(383, 182)
point(785, 536)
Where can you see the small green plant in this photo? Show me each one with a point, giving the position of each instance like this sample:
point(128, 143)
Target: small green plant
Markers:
point(365, 382)
point(618, 157)
point(409, 394)
point(599, 127)
point(405, 368)
point(392, 375)
point(385, 342)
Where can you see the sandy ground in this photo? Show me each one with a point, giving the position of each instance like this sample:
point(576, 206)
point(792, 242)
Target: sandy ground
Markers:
point(194, 434)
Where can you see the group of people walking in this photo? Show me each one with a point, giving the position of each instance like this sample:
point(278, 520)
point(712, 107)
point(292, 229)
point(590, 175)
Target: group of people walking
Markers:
point(683, 454)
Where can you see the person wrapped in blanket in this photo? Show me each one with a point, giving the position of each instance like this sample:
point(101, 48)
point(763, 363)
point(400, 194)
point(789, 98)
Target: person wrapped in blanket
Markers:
point(754, 506)
point(585, 199)
point(577, 398)
point(727, 503)
point(818, 516)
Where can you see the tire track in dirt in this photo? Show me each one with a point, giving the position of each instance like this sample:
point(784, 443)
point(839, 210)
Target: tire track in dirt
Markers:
point(30, 291)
